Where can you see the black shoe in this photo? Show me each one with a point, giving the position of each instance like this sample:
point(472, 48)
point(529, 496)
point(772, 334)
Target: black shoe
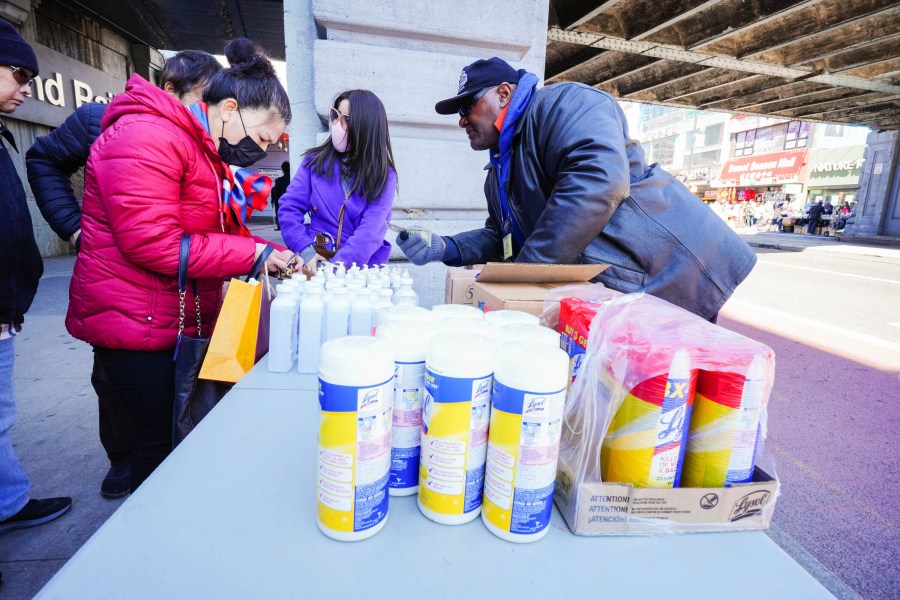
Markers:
point(117, 482)
point(36, 512)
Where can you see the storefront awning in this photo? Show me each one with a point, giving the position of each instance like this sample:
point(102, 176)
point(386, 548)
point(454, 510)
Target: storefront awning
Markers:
point(766, 169)
point(835, 167)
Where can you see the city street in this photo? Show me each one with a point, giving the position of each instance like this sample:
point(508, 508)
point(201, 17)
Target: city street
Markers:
point(833, 319)
point(830, 313)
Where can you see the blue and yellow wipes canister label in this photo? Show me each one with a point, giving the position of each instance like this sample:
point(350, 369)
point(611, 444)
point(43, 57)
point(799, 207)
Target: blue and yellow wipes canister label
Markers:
point(455, 418)
point(354, 455)
point(407, 424)
point(522, 457)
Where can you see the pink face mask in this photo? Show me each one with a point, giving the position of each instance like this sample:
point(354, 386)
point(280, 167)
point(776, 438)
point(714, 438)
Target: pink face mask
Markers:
point(339, 137)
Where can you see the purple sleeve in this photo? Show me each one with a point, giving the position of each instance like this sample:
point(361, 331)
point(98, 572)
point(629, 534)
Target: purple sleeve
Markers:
point(292, 209)
point(369, 234)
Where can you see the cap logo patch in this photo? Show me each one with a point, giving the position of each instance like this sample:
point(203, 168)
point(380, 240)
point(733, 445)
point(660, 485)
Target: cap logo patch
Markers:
point(463, 78)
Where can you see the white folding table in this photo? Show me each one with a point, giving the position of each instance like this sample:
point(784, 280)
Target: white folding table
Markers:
point(232, 514)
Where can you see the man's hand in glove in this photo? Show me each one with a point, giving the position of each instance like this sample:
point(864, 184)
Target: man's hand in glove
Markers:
point(417, 250)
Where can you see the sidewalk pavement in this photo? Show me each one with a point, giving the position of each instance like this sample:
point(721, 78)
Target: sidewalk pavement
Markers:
point(801, 242)
point(55, 438)
point(56, 433)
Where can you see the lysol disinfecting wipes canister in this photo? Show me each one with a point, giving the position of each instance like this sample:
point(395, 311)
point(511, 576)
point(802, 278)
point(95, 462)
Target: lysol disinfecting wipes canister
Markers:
point(647, 437)
point(523, 332)
point(459, 370)
point(510, 317)
point(526, 423)
point(409, 340)
point(456, 311)
point(356, 389)
point(724, 432)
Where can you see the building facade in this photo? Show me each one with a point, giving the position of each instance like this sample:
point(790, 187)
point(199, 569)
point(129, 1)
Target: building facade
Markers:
point(726, 157)
point(81, 61)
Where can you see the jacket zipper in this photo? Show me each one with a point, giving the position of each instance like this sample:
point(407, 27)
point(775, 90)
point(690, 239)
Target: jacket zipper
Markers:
point(509, 204)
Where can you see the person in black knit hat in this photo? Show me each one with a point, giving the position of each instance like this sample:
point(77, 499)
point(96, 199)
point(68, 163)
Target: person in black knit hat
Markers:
point(20, 271)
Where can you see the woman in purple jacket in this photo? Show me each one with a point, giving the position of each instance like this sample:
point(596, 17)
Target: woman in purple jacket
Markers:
point(346, 185)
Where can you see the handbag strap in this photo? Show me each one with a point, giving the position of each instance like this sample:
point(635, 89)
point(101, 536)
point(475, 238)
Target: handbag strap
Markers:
point(340, 231)
point(260, 262)
point(183, 255)
point(184, 252)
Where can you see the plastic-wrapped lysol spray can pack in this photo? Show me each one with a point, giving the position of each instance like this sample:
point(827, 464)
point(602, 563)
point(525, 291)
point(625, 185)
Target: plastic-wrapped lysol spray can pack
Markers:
point(526, 423)
point(645, 443)
point(724, 432)
point(409, 340)
point(356, 389)
point(575, 318)
point(459, 370)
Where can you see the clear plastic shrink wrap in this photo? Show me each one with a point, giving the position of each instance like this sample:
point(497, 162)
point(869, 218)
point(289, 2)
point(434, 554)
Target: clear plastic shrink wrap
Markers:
point(665, 423)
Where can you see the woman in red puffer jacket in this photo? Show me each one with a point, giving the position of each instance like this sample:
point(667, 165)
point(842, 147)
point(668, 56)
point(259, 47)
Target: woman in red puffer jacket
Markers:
point(155, 173)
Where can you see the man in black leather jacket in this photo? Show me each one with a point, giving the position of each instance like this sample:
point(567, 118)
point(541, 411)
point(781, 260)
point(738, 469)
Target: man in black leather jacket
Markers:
point(578, 190)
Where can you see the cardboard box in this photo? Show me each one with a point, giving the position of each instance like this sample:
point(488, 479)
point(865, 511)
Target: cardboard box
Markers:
point(522, 286)
point(622, 509)
point(594, 507)
point(460, 280)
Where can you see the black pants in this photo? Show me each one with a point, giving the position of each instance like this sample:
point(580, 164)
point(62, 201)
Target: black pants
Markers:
point(144, 382)
point(115, 430)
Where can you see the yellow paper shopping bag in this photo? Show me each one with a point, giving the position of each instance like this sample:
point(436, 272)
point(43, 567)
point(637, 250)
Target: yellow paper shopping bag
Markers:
point(232, 348)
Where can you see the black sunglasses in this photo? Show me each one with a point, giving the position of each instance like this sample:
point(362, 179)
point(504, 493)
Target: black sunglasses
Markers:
point(22, 76)
point(467, 105)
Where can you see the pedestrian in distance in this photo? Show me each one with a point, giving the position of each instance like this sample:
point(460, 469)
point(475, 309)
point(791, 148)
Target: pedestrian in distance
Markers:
point(156, 172)
point(279, 188)
point(50, 162)
point(20, 271)
point(749, 216)
point(346, 186)
point(815, 213)
point(567, 184)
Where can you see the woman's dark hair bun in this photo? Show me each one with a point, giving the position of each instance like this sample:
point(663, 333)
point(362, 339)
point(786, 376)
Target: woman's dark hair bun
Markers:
point(251, 80)
point(248, 59)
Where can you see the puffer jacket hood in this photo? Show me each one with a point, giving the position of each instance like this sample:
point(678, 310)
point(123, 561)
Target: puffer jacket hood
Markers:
point(143, 98)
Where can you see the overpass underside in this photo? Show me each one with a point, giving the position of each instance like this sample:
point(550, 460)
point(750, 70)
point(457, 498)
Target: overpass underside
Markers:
point(815, 60)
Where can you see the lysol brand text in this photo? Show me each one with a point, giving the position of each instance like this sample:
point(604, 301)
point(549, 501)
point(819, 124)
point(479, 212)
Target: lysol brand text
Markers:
point(749, 505)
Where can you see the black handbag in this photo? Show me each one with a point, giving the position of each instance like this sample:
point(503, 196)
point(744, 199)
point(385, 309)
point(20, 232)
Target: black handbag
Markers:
point(195, 397)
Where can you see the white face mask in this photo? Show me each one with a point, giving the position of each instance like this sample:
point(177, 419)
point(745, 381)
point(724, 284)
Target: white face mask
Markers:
point(339, 137)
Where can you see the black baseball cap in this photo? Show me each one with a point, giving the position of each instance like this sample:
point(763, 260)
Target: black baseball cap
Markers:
point(480, 74)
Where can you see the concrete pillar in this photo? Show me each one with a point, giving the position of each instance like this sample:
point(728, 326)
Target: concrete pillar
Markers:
point(148, 62)
point(410, 54)
point(877, 188)
point(300, 34)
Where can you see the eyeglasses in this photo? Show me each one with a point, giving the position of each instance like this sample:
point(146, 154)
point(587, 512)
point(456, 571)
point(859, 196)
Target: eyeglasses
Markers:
point(22, 76)
point(337, 115)
point(466, 107)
